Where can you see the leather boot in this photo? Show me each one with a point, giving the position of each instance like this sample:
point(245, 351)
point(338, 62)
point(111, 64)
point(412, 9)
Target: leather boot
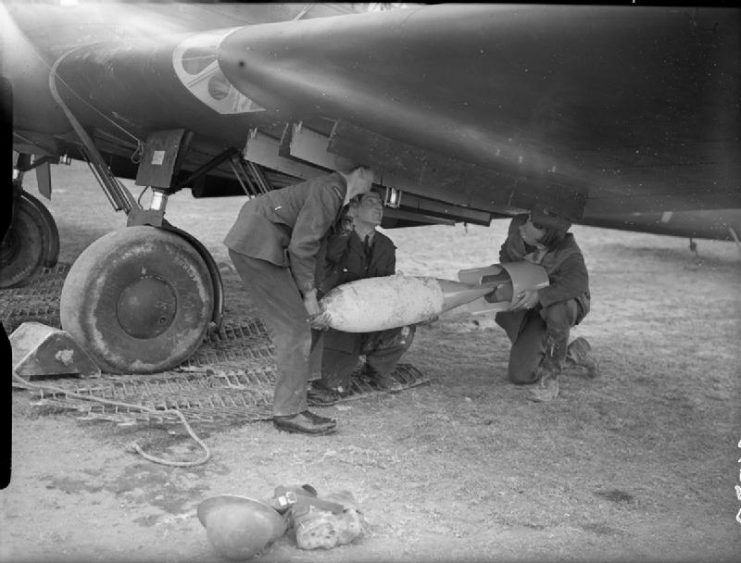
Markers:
point(550, 368)
point(305, 422)
point(382, 382)
point(319, 395)
point(579, 354)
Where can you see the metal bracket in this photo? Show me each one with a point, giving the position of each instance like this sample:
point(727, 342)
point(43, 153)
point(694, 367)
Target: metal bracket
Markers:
point(162, 157)
point(392, 198)
point(303, 144)
point(264, 150)
point(155, 215)
point(31, 162)
point(151, 217)
point(249, 176)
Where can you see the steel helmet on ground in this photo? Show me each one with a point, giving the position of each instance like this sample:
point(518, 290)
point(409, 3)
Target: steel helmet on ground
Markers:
point(240, 527)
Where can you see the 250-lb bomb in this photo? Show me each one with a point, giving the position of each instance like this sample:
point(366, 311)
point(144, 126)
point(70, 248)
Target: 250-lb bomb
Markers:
point(387, 302)
point(374, 304)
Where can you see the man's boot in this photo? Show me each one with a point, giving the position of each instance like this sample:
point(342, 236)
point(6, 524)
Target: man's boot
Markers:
point(382, 382)
point(579, 354)
point(550, 368)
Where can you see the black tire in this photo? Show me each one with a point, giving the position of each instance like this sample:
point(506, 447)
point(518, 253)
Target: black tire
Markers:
point(51, 234)
point(31, 243)
point(139, 300)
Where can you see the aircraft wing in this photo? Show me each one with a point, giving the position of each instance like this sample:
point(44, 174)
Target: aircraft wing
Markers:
point(633, 110)
point(481, 109)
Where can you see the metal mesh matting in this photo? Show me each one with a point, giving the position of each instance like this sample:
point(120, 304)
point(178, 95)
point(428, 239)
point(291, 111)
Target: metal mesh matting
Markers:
point(228, 380)
point(243, 342)
point(405, 375)
point(206, 397)
point(37, 300)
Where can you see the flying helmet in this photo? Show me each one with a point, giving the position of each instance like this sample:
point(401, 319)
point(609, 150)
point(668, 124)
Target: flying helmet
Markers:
point(240, 527)
point(550, 218)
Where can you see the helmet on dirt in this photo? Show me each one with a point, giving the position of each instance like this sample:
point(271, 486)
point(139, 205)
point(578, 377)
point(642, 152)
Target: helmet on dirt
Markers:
point(240, 527)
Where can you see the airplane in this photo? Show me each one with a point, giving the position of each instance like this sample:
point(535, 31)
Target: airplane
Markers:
point(615, 116)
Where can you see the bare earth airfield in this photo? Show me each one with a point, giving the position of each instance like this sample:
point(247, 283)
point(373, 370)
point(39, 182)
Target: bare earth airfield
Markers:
point(637, 465)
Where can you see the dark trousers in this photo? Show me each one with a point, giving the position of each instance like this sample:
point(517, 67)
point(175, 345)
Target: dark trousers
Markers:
point(279, 304)
point(382, 351)
point(528, 330)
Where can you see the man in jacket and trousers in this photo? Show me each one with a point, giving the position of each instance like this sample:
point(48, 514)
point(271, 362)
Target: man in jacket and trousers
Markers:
point(538, 322)
point(276, 244)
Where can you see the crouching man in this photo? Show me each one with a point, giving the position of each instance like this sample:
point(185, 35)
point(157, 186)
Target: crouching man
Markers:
point(357, 251)
point(539, 321)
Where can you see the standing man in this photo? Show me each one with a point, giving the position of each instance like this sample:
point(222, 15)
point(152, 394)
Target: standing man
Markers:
point(357, 251)
point(274, 245)
point(539, 321)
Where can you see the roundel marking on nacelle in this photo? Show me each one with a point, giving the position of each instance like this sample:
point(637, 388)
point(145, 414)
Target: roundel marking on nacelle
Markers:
point(196, 65)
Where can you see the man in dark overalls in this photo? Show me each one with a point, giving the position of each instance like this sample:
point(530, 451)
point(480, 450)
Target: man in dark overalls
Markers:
point(275, 245)
point(358, 251)
point(539, 321)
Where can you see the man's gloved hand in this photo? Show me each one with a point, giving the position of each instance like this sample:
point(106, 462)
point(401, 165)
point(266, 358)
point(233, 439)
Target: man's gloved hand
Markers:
point(525, 300)
point(319, 321)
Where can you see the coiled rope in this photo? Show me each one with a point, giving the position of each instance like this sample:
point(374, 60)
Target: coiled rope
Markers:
point(22, 383)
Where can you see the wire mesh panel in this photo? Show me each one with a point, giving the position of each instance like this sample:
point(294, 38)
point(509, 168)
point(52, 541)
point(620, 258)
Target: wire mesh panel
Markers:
point(37, 300)
point(229, 380)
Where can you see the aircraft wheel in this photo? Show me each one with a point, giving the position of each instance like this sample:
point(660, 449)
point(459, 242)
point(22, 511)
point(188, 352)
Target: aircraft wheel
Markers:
point(31, 243)
point(139, 300)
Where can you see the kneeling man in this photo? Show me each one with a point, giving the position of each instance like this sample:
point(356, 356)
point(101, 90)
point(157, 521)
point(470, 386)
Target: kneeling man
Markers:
point(358, 251)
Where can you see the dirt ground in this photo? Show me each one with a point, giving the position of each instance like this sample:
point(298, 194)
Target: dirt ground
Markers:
point(637, 465)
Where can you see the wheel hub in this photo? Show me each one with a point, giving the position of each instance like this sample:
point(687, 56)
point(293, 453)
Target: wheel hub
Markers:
point(146, 307)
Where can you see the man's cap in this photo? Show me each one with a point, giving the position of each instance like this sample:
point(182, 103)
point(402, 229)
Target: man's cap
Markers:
point(550, 219)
